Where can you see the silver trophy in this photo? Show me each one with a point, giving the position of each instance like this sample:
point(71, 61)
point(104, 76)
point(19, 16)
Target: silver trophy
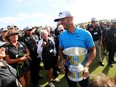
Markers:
point(76, 56)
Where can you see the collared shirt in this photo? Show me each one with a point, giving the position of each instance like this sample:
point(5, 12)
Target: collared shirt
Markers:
point(16, 52)
point(40, 49)
point(96, 32)
point(79, 38)
point(31, 43)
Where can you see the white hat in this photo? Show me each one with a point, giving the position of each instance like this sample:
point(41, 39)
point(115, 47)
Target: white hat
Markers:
point(93, 19)
point(113, 21)
point(63, 14)
point(9, 27)
point(60, 27)
point(4, 29)
point(28, 28)
point(2, 43)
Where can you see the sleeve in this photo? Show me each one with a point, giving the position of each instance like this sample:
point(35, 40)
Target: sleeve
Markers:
point(108, 36)
point(39, 48)
point(24, 45)
point(60, 41)
point(54, 45)
point(89, 41)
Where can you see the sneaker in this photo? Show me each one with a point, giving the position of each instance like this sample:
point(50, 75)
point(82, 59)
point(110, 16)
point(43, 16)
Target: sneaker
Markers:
point(113, 62)
point(56, 80)
point(51, 84)
point(101, 63)
point(110, 65)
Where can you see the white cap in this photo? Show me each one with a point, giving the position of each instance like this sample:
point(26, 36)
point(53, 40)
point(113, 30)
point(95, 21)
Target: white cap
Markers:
point(93, 19)
point(4, 29)
point(28, 28)
point(113, 21)
point(60, 27)
point(63, 14)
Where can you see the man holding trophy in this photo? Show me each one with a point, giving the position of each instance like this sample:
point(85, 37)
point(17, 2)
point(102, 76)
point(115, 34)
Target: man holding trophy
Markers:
point(77, 51)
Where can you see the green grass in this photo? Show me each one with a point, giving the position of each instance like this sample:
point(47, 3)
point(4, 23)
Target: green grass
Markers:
point(95, 70)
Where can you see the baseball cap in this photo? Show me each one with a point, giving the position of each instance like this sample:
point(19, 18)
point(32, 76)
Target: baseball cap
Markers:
point(28, 28)
point(9, 27)
point(113, 21)
point(11, 33)
point(2, 43)
point(3, 29)
point(63, 14)
point(93, 19)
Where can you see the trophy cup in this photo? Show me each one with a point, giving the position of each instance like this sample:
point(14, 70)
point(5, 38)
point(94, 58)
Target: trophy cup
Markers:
point(76, 56)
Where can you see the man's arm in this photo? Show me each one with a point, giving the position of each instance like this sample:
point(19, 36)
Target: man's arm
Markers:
point(91, 57)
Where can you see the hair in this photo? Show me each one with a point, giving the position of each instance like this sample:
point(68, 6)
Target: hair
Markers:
point(103, 81)
point(8, 34)
point(43, 31)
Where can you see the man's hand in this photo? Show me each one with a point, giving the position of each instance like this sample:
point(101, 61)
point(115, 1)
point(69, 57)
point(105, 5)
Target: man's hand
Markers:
point(91, 29)
point(63, 62)
point(43, 44)
point(86, 72)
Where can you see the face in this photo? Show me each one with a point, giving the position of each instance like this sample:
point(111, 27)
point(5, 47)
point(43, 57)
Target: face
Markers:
point(108, 23)
point(13, 37)
point(2, 52)
point(45, 35)
point(30, 32)
point(114, 25)
point(66, 22)
point(4, 33)
point(94, 23)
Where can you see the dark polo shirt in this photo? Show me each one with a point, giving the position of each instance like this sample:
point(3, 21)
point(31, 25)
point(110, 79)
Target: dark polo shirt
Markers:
point(96, 32)
point(16, 52)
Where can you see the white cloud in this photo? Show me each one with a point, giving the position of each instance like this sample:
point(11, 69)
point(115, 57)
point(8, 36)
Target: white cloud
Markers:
point(32, 15)
point(25, 19)
point(24, 16)
point(9, 19)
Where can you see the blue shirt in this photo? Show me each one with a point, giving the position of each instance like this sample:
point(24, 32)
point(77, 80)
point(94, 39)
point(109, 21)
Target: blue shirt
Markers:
point(78, 38)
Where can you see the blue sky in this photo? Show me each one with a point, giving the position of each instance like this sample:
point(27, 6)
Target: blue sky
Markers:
point(42, 12)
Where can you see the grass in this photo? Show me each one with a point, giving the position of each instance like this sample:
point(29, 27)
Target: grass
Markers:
point(95, 70)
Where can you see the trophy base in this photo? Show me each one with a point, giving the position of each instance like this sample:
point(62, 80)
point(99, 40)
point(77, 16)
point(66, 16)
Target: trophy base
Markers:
point(75, 80)
point(76, 73)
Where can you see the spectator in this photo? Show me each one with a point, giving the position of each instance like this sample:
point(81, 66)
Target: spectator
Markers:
point(60, 30)
point(3, 34)
point(31, 42)
point(7, 73)
point(18, 57)
point(46, 47)
point(82, 25)
point(104, 29)
point(96, 33)
point(111, 43)
point(103, 81)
